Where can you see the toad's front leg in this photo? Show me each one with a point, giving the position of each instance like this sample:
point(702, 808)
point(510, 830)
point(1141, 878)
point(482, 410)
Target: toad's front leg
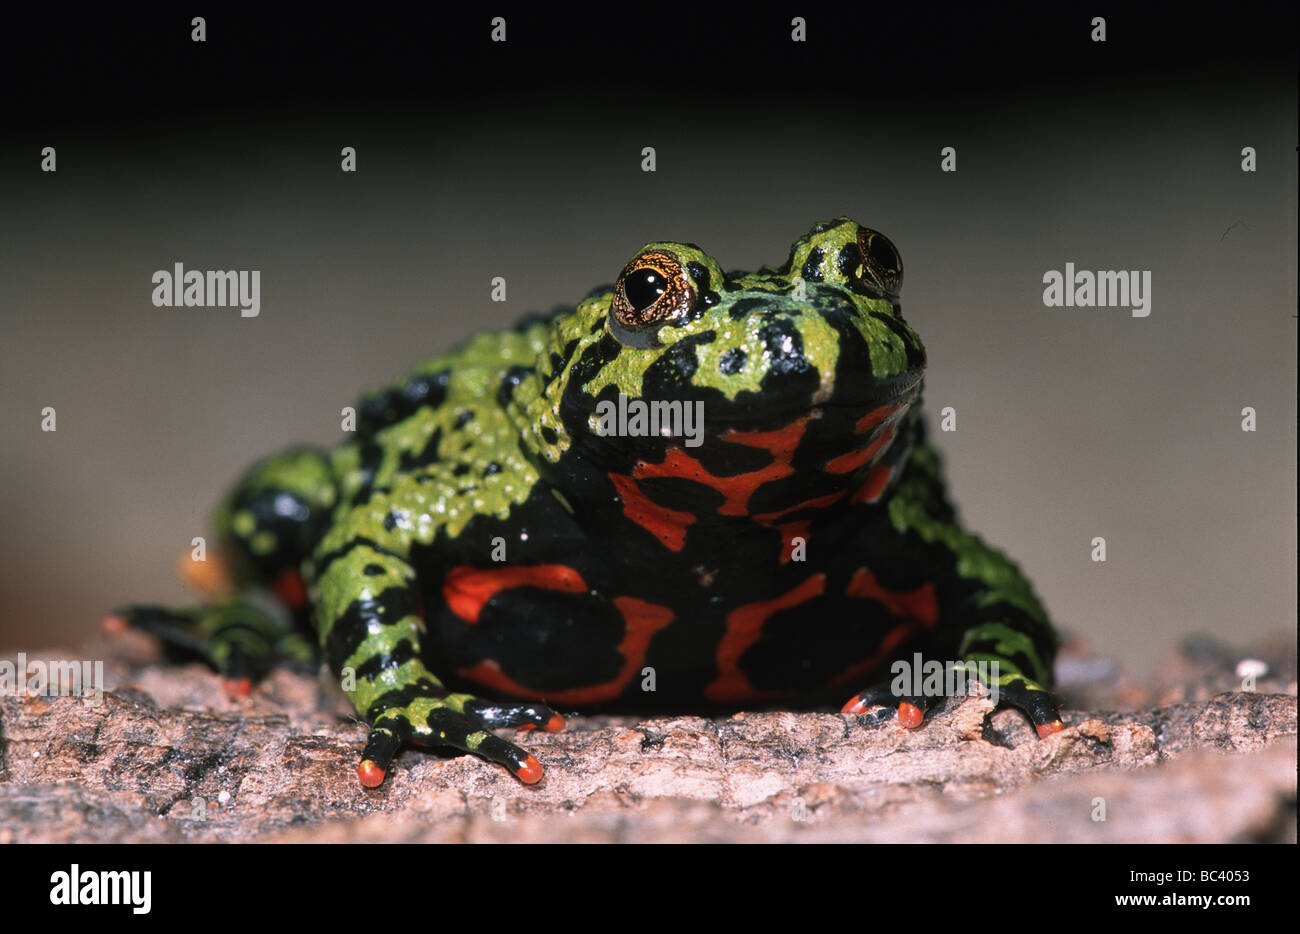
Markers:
point(370, 633)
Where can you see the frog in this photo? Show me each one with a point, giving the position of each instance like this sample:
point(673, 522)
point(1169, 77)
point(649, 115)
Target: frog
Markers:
point(489, 545)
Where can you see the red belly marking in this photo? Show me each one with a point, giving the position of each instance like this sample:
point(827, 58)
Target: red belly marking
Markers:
point(877, 480)
point(874, 418)
point(789, 532)
point(893, 639)
point(817, 502)
point(737, 490)
point(744, 627)
point(667, 525)
point(920, 604)
point(847, 463)
point(641, 620)
point(466, 589)
point(916, 609)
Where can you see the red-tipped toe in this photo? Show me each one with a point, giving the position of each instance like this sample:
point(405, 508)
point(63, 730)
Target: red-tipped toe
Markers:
point(237, 687)
point(855, 705)
point(111, 625)
point(371, 775)
point(909, 716)
point(1047, 729)
point(530, 773)
point(553, 725)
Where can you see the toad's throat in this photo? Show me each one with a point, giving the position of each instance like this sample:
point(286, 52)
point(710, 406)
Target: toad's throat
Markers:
point(668, 496)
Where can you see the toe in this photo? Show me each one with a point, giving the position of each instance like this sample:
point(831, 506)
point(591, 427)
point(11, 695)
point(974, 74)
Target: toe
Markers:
point(910, 716)
point(523, 716)
point(530, 773)
point(236, 688)
point(371, 775)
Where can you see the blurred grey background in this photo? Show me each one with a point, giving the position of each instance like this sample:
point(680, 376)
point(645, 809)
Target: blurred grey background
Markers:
point(1072, 422)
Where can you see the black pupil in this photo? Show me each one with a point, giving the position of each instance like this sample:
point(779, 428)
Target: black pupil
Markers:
point(643, 288)
point(881, 252)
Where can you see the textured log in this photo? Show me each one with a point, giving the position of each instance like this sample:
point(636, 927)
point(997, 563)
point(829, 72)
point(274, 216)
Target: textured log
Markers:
point(165, 757)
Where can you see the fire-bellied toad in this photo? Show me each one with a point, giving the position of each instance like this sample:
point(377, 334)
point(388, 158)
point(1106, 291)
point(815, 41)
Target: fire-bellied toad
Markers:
point(711, 484)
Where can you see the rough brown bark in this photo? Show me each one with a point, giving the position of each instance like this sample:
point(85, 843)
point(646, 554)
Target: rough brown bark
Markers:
point(165, 757)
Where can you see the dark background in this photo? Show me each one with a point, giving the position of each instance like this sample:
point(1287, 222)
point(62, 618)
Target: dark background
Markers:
point(523, 160)
point(99, 67)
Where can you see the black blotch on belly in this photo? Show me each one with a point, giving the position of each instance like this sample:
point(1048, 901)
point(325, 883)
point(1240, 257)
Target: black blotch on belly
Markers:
point(804, 647)
point(545, 640)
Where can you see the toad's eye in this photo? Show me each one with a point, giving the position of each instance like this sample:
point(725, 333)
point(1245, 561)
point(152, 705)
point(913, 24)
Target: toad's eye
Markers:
point(652, 291)
point(643, 288)
point(882, 267)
